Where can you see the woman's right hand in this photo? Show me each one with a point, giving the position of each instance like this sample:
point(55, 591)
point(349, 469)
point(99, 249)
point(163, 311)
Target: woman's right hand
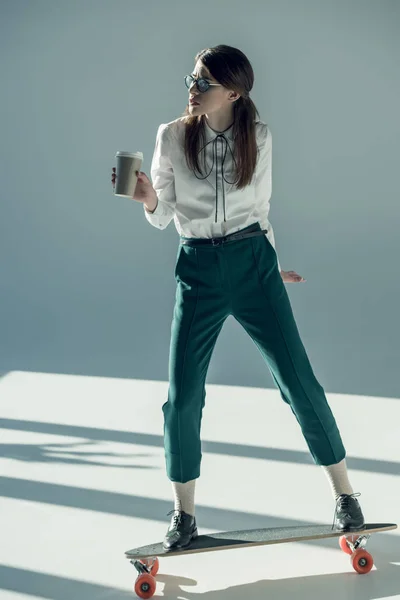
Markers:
point(144, 191)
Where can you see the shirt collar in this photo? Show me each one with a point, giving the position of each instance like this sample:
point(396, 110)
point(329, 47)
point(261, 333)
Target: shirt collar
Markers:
point(211, 133)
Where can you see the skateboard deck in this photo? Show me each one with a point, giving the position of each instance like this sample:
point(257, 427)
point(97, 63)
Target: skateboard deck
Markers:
point(252, 537)
point(145, 558)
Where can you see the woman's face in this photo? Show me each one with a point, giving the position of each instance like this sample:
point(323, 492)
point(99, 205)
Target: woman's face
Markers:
point(215, 99)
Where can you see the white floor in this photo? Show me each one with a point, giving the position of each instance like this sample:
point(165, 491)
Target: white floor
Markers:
point(82, 479)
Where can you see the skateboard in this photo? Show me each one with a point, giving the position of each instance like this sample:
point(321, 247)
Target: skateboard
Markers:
point(145, 558)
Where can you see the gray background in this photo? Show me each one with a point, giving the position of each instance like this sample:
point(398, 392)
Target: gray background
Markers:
point(87, 283)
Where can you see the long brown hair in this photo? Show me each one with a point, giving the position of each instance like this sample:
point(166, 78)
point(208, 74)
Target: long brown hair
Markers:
point(230, 67)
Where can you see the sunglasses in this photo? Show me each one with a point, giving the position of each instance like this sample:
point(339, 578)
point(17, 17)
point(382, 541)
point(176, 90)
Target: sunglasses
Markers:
point(201, 84)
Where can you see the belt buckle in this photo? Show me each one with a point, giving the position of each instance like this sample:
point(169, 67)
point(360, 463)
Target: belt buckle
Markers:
point(216, 241)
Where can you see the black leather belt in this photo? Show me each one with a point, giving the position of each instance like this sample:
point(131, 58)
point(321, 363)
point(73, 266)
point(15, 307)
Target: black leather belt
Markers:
point(250, 231)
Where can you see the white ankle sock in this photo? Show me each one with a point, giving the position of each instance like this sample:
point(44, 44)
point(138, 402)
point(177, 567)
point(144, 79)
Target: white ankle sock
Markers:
point(184, 496)
point(338, 478)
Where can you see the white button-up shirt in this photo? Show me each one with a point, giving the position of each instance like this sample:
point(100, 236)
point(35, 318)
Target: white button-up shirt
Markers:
point(209, 206)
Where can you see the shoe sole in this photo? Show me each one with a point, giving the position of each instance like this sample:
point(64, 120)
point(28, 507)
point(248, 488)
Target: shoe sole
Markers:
point(350, 529)
point(193, 537)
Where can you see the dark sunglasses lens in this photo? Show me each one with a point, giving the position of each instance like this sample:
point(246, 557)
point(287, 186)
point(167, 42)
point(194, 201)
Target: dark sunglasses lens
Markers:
point(202, 84)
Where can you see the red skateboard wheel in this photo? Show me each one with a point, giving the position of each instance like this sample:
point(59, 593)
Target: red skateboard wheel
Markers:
point(362, 561)
point(145, 586)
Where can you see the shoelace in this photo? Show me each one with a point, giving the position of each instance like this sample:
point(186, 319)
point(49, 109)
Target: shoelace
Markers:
point(177, 517)
point(343, 502)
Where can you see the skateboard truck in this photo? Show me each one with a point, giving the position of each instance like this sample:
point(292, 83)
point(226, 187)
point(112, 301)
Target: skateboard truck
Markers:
point(145, 565)
point(360, 542)
point(140, 566)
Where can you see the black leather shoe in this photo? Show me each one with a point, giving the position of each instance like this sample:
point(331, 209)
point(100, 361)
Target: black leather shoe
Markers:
point(348, 514)
point(181, 532)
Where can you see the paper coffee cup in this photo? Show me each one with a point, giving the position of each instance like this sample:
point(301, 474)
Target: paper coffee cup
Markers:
point(127, 165)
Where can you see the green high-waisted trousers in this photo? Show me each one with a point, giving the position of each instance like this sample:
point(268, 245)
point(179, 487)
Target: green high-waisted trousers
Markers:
point(239, 278)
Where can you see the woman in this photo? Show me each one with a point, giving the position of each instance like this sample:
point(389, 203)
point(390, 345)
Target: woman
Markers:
point(227, 265)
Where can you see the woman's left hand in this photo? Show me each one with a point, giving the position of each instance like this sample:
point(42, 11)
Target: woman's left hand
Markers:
point(291, 277)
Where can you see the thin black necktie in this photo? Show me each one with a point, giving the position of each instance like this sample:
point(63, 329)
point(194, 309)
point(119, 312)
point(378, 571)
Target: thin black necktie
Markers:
point(226, 146)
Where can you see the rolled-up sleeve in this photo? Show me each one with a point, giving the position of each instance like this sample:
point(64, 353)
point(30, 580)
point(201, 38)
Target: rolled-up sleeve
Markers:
point(162, 177)
point(263, 184)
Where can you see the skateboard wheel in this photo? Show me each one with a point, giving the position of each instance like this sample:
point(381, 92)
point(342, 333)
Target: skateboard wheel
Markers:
point(145, 585)
point(152, 563)
point(344, 545)
point(362, 561)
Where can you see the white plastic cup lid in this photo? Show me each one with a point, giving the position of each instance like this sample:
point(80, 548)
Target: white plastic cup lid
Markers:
point(131, 154)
